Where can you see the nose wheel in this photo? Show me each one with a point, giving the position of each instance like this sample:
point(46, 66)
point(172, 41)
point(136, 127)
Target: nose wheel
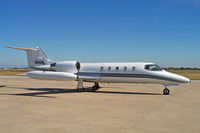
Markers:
point(166, 91)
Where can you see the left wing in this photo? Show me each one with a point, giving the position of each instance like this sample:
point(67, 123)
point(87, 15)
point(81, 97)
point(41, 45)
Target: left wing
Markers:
point(89, 78)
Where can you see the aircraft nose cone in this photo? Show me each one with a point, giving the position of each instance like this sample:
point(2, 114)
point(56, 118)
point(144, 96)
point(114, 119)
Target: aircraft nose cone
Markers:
point(184, 79)
point(178, 78)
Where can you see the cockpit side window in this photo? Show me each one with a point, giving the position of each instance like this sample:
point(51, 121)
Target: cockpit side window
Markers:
point(153, 67)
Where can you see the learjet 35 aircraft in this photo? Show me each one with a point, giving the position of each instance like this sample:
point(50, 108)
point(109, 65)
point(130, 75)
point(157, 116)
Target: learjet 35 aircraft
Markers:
point(41, 67)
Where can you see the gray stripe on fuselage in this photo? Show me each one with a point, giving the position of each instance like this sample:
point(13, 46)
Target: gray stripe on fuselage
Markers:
point(125, 75)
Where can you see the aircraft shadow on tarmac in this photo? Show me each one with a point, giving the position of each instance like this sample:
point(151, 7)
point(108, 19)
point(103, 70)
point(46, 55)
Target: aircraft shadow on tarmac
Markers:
point(45, 91)
point(2, 86)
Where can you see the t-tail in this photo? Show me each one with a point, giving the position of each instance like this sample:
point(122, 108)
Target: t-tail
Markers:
point(35, 56)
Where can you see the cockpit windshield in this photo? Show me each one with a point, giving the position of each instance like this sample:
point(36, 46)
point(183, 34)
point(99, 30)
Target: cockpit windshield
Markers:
point(153, 67)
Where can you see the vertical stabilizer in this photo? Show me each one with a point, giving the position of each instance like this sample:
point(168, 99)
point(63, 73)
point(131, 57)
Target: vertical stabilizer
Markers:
point(35, 56)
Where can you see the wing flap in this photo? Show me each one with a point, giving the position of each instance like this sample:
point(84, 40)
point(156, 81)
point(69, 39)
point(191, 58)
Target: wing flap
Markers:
point(89, 77)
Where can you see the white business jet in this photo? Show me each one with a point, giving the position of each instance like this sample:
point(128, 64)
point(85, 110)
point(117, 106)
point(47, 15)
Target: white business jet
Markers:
point(133, 72)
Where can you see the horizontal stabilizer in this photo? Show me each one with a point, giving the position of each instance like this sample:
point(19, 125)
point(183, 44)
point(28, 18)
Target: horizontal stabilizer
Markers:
point(25, 49)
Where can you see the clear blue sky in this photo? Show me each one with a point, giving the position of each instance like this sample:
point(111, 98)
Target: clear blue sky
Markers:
point(166, 32)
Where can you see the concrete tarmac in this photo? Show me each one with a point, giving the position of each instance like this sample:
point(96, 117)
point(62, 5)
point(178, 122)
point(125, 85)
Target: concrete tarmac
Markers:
point(38, 106)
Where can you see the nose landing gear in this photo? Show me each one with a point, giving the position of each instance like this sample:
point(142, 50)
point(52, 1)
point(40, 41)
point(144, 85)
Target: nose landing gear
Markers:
point(166, 91)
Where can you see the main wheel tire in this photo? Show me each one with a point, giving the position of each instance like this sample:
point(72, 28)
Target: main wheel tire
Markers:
point(94, 88)
point(96, 85)
point(80, 89)
point(166, 91)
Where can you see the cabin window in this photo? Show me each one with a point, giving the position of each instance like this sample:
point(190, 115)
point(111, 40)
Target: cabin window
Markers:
point(133, 68)
point(101, 69)
point(125, 68)
point(109, 68)
point(117, 68)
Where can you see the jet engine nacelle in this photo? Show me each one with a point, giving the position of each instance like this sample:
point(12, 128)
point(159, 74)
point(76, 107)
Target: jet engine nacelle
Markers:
point(66, 66)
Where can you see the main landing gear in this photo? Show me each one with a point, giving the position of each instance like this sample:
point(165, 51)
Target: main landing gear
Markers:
point(96, 86)
point(166, 91)
point(80, 87)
